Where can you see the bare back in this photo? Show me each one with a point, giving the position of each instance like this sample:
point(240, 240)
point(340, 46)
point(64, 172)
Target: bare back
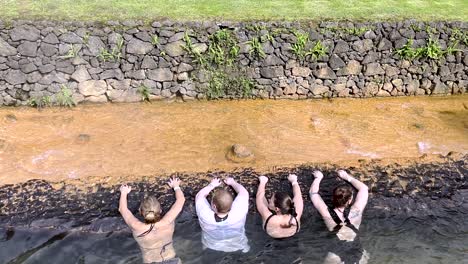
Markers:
point(156, 246)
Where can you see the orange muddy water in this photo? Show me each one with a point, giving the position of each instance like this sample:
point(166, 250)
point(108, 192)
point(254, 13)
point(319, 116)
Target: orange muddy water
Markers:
point(115, 141)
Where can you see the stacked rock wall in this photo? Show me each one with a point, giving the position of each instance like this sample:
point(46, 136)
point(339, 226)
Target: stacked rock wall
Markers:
point(131, 61)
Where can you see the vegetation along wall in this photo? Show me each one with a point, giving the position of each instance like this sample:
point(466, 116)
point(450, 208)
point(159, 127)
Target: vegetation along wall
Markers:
point(45, 63)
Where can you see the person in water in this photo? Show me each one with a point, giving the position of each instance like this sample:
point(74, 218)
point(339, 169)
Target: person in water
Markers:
point(154, 235)
point(344, 218)
point(222, 222)
point(281, 215)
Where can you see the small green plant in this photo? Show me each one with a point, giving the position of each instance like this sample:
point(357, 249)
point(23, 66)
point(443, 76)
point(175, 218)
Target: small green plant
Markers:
point(458, 35)
point(86, 38)
point(432, 50)
point(415, 27)
point(317, 51)
point(144, 92)
point(430, 30)
point(223, 84)
point(298, 48)
point(40, 102)
point(154, 40)
point(115, 54)
point(223, 48)
point(452, 48)
point(256, 48)
point(72, 52)
point(65, 97)
point(267, 37)
point(162, 54)
point(407, 52)
point(195, 53)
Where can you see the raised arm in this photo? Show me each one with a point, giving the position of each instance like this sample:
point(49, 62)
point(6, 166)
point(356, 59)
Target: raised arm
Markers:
point(240, 190)
point(317, 200)
point(128, 217)
point(297, 199)
point(363, 191)
point(260, 200)
point(176, 208)
point(203, 193)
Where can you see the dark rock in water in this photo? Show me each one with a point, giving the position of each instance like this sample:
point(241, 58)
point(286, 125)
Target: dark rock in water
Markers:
point(240, 153)
point(11, 118)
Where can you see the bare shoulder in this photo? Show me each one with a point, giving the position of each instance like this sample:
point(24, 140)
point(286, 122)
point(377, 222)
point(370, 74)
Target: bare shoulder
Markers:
point(354, 213)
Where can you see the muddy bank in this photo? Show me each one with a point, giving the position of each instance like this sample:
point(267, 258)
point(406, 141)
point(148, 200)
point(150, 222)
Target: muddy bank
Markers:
point(420, 188)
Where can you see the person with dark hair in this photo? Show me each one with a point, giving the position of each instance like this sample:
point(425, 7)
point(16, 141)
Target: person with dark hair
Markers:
point(154, 235)
point(281, 215)
point(344, 218)
point(222, 222)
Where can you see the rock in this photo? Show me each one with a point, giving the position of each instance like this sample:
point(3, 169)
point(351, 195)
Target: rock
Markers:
point(338, 87)
point(70, 38)
point(272, 60)
point(48, 50)
point(81, 74)
point(362, 46)
point(398, 83)
point(51, 38)
point(444, 71)
point(388, 87)
point(6, 49)
point(94, 46)
point(290, 89)
point(161, 75)
point(184, 67)
point(325, 73)
point(374, 69)
point(15, 77)
point(301, 71)
point(336, 62)
point(440, 87)
point(149, 63)
point(119, 85)
point(272, 72)
point(412, 87)
point(112, 74)
point(200, 47)
point(83, 138)
point(25, 32)
point(341, 47)
point(352, 68)
point(370, 57)
point(384, 44)
point(183, 76)
point(138, 47)
point(318, 89)
point(391, 71)
point(28, 49)
point(175, 49)
point(383, 93)
point(128, 95)
point(137, 75)
point(93, 88)
point(239, 153)
point(371, 89)
point(28, 67)
point(96, 99)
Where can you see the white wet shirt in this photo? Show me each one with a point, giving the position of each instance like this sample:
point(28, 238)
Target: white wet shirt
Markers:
point(228, 235)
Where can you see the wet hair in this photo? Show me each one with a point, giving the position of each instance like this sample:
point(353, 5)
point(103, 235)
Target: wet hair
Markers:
point(285, 204)
point(222, 199)
point(150, 208)
point(341, 195)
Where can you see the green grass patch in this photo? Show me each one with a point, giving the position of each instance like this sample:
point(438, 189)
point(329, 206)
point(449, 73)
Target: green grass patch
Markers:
point(234, 10)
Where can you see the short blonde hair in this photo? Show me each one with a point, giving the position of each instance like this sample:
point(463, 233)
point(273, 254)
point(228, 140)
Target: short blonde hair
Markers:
point(222, 199)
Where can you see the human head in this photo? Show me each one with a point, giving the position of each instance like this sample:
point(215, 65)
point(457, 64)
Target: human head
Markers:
point(221, 201)
point(342, 196)
point(282, 203)
point(150, 209)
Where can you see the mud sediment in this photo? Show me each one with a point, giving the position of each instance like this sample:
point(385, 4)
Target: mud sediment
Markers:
point(421, 187)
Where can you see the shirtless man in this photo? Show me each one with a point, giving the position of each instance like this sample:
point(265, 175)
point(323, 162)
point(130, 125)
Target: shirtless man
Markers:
point(154, 235)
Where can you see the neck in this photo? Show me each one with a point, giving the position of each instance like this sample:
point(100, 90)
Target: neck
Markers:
point(341, 209)
point(221, 215)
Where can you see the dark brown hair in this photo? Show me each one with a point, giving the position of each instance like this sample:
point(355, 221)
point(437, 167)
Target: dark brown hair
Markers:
point(285, 204)
point(222, 199)
point(341, 195)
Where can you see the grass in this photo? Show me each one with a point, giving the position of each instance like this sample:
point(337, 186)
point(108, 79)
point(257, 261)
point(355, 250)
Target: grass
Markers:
point(377, 10)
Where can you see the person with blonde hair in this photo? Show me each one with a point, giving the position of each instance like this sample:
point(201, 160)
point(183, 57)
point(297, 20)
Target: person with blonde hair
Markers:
point(154, 235)
point(222, 222)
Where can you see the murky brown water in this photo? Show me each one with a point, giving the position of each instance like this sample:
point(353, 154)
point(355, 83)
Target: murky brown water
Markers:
point(131, 140)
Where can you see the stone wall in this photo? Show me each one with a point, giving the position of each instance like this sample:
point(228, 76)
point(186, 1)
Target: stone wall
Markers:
point(131, 61)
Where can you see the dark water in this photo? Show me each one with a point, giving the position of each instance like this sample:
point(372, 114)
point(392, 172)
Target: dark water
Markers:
point(435, 238)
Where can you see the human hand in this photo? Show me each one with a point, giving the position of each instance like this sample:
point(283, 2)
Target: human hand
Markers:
point(174, 182)
point(215, 182)
point(229, 181)
point(292, 178)
point(318, 175)
point(125, 189)
point(343, 175)
point(263, 179)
